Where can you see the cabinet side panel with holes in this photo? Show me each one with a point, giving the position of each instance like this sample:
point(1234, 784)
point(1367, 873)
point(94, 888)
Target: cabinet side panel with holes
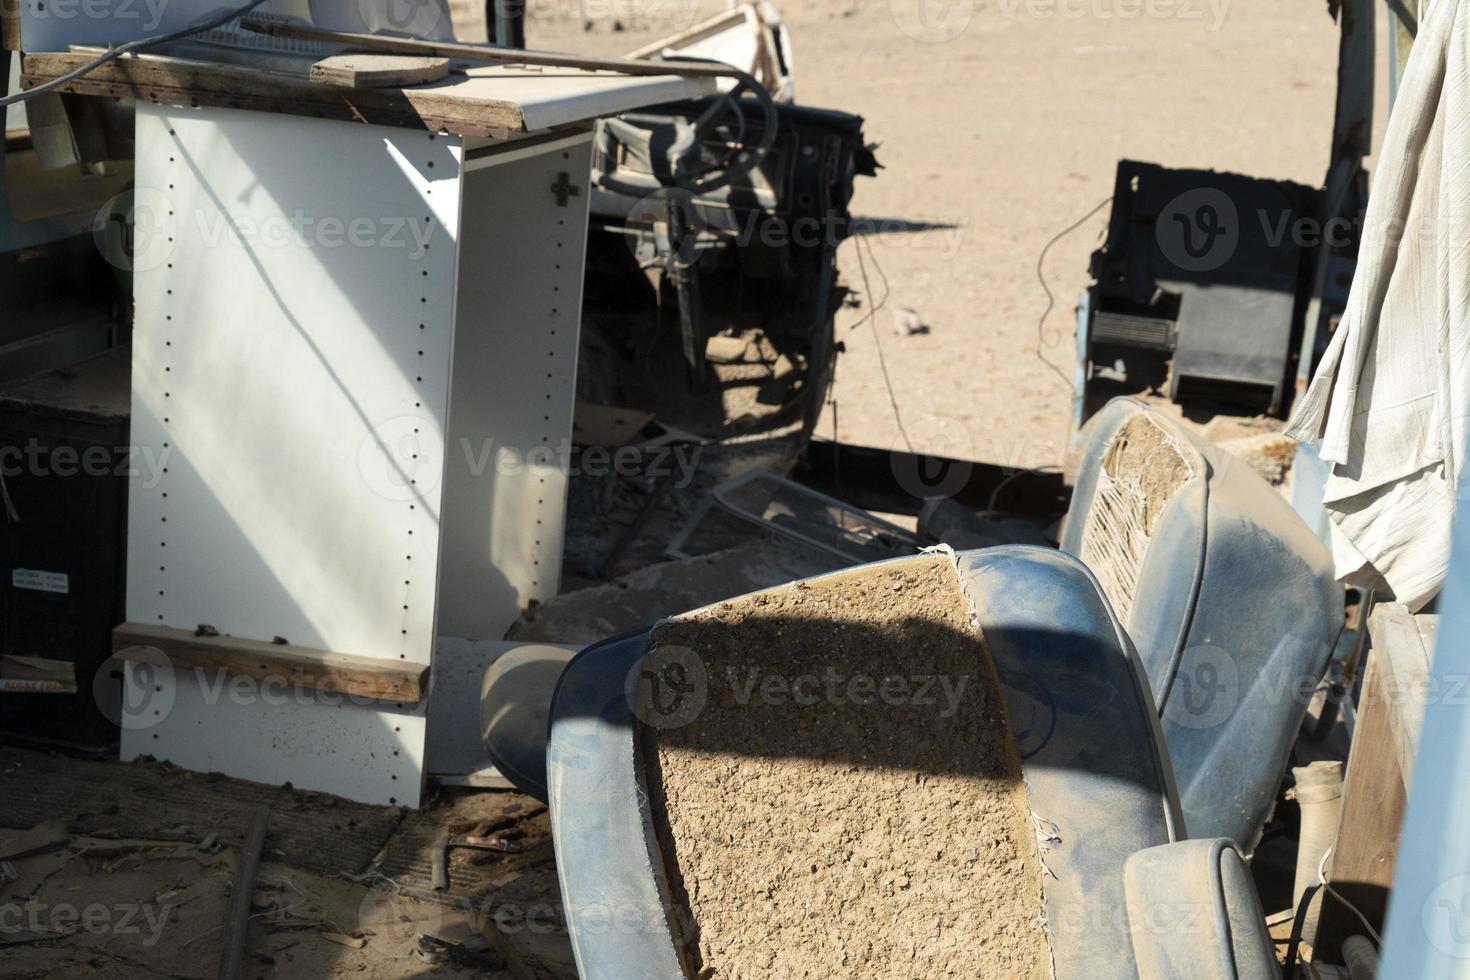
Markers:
point(294, 291)
point(515, 373)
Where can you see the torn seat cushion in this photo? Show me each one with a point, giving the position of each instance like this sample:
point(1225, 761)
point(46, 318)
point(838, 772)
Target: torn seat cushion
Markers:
point(1228, 596)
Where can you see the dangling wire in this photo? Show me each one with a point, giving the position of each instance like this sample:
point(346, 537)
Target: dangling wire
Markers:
point(869, 318)
point(1051, 301)
point(112, 54)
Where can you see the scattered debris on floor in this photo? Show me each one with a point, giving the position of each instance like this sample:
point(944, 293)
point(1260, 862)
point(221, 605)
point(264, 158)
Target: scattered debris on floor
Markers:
point(907, 322)
point(110, 870)
point(666, 589)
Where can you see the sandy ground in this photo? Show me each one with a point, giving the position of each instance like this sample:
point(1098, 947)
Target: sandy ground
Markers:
point(113, 909)
point(1000, 124)
point(130, 876)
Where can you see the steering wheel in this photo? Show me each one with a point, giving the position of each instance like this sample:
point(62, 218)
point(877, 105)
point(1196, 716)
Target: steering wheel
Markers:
point(684, 170)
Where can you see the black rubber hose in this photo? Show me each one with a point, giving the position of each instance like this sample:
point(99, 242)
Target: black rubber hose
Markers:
point(112, 54)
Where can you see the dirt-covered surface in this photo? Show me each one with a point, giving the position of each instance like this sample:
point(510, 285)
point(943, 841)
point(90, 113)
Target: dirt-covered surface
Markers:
point(1143, 470)
point(1143, 457)
point(667, 589)
point(1001, 124)
point(123, 871)
point(113, 909)
point(848, 802)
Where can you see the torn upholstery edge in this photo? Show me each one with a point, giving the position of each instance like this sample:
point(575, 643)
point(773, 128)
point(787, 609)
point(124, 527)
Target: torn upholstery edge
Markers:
point(1115, 531)
point(1048, 834)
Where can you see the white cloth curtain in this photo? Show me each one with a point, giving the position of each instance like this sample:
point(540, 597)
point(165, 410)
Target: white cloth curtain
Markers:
point(1390, 398)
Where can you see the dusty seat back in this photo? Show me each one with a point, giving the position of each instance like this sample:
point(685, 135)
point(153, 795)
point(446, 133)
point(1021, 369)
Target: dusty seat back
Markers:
point(1090, 744)
point(1229, 598)
point(1091, 756)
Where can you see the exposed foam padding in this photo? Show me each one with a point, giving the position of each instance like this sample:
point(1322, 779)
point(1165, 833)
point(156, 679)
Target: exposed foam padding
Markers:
point(1143, 469)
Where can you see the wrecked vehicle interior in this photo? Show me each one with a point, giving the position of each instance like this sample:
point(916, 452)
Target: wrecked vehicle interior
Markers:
point(449, 534)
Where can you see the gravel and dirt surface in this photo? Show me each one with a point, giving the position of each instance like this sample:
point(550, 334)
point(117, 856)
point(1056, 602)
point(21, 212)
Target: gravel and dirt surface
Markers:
point(115, 871)
point(1000, 124)
point(849, 801)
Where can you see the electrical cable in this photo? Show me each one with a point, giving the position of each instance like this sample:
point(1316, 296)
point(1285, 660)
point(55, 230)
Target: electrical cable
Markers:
point(1299, 922)
point(859, 241)
point(877, 343)
point(1298, 926)
point(1051, 301)
point(127, 47)
point(1322, 880)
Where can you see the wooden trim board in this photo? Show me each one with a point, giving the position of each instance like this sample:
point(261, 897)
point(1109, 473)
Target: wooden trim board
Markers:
point(488, 102)
point(178, 81)
point(356, 70)
point(1403, 656)
point(1373, 802)
point(318, 670)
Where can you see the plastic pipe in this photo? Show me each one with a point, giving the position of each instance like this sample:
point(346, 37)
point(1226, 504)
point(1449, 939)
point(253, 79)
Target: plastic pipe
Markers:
point(1319, 795)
